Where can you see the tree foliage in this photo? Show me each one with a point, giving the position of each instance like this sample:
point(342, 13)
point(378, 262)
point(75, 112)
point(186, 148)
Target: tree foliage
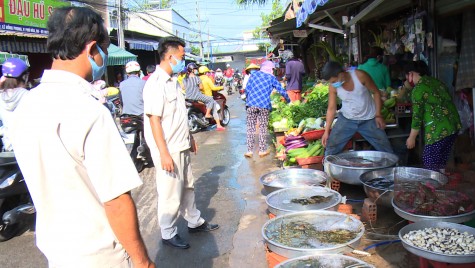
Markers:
point(277, 11)
point(143, 5)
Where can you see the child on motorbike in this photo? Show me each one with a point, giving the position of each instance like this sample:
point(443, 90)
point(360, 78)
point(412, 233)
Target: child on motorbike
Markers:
point(193, 84)
point(12, 89)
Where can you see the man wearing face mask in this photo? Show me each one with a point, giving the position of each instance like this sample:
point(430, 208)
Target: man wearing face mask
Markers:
point(360, 111)
point(167, 134)
point(378, 71)
point(72, 156)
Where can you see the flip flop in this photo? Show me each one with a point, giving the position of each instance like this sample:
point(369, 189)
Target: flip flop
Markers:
point(209, 117)
point(264, 154)
point(220, 129)
point(248, 154)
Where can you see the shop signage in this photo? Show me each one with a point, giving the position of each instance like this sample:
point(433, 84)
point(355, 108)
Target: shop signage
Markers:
point(27, 16)
point(300, 33)
point(257, 61)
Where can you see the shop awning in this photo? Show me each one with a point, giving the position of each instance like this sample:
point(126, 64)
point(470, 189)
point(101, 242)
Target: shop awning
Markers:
point(119, 56)
point(307, 8)
point(4, 56)
point(25, 46)
point(142, 44)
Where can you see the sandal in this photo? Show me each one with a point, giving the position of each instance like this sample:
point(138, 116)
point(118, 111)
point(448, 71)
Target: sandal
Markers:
point(264, 154)
point(220, 129)
point(248, 154)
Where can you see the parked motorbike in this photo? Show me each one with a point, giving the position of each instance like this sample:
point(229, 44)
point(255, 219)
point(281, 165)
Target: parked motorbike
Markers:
point(132, 125)
point(16, 206)
point(197, 111)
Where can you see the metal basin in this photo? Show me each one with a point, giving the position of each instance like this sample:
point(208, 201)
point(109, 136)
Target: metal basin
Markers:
point(341, 167)
point(279, 202)
point(439, 257)
point(319, 219)
point(384, 195)
point(294, 177)
point(325, 260)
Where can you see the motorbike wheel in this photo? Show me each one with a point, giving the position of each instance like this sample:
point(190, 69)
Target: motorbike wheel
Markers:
point(193, 124)
point(226, 117)
point(7, 232)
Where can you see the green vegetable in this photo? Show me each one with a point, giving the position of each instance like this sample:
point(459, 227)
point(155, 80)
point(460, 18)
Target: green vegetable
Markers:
point(390, 103)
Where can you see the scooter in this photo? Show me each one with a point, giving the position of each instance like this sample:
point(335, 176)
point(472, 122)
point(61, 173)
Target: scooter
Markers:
point(219, 81)
point(16, 206)
point(228, 85)
point(197, 110)
point(115, 99)
point(132, 125)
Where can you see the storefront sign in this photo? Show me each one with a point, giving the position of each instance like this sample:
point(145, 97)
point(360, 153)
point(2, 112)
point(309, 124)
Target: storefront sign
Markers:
point(300, 33)
point(257, 61)
point(27, 16)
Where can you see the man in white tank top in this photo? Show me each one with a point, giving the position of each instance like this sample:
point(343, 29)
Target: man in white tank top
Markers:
point(360, 111)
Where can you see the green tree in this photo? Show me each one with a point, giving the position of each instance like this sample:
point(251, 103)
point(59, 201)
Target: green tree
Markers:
point(195, 50)
point(259, 32)
point(251, 2)
point(141, 5)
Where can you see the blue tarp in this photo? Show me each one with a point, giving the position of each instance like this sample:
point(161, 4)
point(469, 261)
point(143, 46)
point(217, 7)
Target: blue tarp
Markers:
point(307, 8)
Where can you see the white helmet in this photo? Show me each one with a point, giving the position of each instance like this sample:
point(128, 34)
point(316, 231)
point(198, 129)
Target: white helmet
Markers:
point(132, 66)
point(227, 65)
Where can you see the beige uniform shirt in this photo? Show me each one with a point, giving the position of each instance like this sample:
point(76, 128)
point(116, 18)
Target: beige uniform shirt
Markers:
point(73, 160)
point(162, 97)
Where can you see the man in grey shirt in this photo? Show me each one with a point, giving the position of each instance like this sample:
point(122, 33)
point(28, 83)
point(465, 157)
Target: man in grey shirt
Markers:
point(131, 90)
point(294, 71)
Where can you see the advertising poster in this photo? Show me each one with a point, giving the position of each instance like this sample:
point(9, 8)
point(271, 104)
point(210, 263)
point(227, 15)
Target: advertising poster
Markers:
point(27, 16)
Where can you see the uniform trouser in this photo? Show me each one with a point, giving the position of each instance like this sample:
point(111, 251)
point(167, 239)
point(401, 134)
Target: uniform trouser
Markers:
point(176, 194)
point(255, 115)
point(344, 130)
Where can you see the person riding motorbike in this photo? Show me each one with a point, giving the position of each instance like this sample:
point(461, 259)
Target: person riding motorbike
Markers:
point(12, 89)
point(218, 77)
point(192, 85)
point(208, 86)
point(131, 90)
point(228, 76)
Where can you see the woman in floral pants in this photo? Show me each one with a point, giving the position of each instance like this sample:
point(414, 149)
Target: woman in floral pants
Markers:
point(433, 108)
point(258, 104)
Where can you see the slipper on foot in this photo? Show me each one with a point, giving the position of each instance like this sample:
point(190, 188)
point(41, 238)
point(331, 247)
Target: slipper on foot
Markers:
point(264, 154)
point(248, 154)
point(220, 129)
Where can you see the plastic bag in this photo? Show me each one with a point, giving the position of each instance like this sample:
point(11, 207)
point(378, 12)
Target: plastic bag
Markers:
point(465, 113)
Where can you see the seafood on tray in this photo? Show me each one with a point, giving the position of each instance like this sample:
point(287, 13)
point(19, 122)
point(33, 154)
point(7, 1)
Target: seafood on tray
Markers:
point(442, 240)
point(363, 162)
point(425, 199)
point(302, 234)
point(316, 199)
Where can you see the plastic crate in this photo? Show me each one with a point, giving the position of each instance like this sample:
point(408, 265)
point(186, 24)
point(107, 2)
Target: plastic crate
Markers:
point(403, 108)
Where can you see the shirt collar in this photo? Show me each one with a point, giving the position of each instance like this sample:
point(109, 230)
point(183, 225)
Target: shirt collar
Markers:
point(162, 75)
point(60, 76)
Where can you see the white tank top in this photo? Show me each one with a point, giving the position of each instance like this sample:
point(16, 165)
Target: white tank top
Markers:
point(357, 104)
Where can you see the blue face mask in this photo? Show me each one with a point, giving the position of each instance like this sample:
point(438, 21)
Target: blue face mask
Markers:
point(180, 65)
point(338, 84)
point(98, 71)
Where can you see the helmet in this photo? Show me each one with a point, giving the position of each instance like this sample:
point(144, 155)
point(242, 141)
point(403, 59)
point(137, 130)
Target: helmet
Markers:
point(252, 66)
point(191, 66)
point(14, 68)
point(132, 66)
point(227, 65)
point(203, 69)
point(218, 70)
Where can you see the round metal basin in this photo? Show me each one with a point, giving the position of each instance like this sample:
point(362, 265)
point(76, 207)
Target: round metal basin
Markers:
point(325, 260)
point(384, 195)
point(321, 220)
point(342, 166)
point(431, 255)
point(294, 177)
point(283, 201)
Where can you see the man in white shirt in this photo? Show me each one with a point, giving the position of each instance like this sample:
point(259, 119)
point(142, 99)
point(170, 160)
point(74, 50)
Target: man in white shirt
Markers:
point(74, 161)
point(167, 134)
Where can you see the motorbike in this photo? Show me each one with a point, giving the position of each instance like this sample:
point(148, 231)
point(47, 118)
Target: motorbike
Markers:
point(237, 83)
point(115, 99)
point(197, 110)
point(132, 125)
point(16, 206)
point(228, 85)
point(219, 81)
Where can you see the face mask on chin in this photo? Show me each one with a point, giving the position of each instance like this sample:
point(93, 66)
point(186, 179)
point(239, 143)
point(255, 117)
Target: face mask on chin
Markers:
point(98, 71)
point(180, 65)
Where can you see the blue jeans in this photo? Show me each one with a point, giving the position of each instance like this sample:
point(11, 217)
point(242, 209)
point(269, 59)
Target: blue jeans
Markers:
point(344, 130)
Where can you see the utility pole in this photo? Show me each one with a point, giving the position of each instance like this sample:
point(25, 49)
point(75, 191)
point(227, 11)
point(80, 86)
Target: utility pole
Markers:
point(199, 24)
point(209, 46)
point(120, 29)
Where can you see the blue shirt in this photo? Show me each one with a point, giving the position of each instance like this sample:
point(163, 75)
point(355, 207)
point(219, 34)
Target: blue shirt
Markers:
point(131, 91)
point(258, 90)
